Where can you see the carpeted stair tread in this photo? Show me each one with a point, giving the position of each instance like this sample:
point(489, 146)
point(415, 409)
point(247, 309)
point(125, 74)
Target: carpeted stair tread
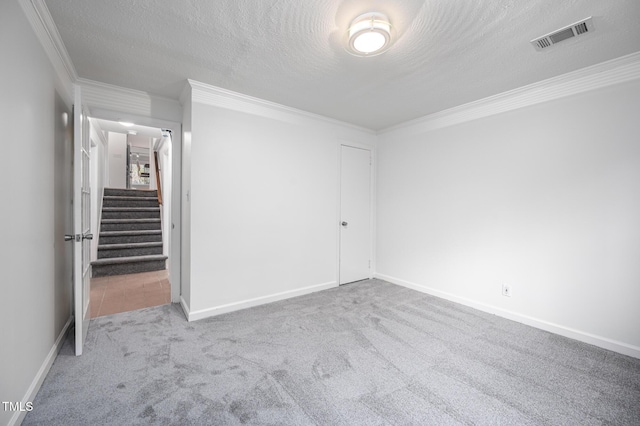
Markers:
point(131, 192)
point(130, 213)
point(131, 209)
point(129, 245)
point(145, 220)
point(127, 198)
point(128, 248)
point(127, 201)
point(131, 232)
point(129, 259)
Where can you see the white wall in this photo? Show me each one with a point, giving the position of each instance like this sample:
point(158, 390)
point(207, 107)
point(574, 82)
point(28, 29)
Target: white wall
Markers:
point(263, 205)
point(545, 198)
point(117, 160)
point(35, 299)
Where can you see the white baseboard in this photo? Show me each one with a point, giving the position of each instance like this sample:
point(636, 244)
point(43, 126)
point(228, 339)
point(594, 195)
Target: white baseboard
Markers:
point(243, 304)
point(185, 308)
point(602, 342)
point(33, 389)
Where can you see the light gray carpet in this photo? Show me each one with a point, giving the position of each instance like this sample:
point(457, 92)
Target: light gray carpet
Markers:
point(369, 353)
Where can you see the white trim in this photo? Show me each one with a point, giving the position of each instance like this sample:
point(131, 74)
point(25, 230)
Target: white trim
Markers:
point(185, 307)
point(33, 389)
point(249, 303)
point(374, 210)
point(338, 209)
point(592, 339)
point(97, 135)
point(357, 145)
point(159, 143)
point(158, 123)
point(47, 33)
point(615, 71)
point(216, 96)
point(97, 132)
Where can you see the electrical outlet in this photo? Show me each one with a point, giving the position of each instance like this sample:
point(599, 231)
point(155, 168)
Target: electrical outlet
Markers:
point(506, 290)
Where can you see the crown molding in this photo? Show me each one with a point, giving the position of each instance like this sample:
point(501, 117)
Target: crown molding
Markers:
point(215, 96)
point(94, 94)
point(115, 98)
point(110, 97)
point(616, 71)
point(47, 33)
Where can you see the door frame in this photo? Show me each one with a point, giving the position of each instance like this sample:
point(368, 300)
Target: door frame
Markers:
point(372, 203)
point(175, 264)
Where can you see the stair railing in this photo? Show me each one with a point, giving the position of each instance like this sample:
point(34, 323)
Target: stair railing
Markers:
point(158, 183)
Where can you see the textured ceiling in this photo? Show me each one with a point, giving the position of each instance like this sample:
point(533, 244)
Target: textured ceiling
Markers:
point(446, 53)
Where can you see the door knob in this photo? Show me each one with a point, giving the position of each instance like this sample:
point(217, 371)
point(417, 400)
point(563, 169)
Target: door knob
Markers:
point(87, 237)
point(345, 223)
point(68, 237)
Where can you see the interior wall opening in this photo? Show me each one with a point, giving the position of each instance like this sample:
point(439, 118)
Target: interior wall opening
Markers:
point(131, 216)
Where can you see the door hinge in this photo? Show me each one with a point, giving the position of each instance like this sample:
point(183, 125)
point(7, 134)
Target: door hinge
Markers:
point(369, 264)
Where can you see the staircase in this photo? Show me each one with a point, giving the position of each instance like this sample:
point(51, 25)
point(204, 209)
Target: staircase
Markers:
point(130, 233)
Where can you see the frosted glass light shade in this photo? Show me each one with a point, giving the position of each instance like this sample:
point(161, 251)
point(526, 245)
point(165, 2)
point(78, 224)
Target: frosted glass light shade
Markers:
point(369, 42)
point(369, 34)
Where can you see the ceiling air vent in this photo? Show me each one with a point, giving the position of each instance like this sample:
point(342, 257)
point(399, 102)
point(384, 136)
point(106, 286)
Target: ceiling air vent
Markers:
point(570, 31)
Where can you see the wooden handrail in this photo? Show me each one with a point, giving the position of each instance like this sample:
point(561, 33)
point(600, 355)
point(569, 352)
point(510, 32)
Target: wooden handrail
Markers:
point(158, 184)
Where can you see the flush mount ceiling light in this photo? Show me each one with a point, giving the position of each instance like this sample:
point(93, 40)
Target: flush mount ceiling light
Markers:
point(369, 34)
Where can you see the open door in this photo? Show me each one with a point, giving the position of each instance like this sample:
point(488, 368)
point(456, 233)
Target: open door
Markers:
point(81, 220)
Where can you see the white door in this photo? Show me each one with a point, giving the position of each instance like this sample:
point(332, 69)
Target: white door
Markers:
point(81, 220)
point(355, 214)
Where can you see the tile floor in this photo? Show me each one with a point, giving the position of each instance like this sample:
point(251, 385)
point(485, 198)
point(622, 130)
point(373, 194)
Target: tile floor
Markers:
point(123, 293)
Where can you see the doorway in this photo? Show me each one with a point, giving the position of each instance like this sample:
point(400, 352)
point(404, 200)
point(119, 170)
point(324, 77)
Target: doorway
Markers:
point(355, 214)
point(138, 163)
point(133, 164)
